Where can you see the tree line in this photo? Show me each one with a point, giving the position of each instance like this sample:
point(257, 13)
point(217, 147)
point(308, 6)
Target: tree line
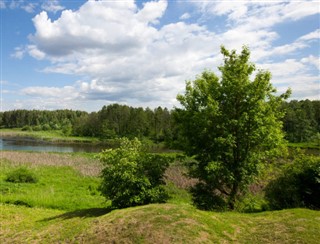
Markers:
point(301, 122)
point(112, 121)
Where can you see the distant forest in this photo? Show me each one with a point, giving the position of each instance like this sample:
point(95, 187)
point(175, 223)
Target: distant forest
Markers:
point(301, 122)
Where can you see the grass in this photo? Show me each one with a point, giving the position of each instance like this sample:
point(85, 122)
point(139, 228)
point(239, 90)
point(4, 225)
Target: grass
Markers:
point(51, 135)
point(64, 207)
point(157, 223)
point(58, 187)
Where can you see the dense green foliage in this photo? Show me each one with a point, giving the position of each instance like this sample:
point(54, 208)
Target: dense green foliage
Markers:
point(302, 121)
point(298, 185)
point(229, 125)
point(39, 120)
point(131, 176)
point(21, 175)
point(113, 121)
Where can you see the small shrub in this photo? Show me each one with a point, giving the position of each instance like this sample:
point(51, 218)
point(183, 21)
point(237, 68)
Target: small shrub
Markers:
point(252, 203)
point(46, 127)
point(297, 186)
point(131, 176)
point(26, 128)
point(19, 203)
point(37, 128)
point(21, 175)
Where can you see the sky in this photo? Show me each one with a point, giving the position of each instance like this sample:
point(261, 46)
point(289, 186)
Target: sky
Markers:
point(82, 55)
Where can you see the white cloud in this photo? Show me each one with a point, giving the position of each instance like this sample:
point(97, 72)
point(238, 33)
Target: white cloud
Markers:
point(26, 6)
point(126, 55)
point(18, 53)
point(295, 74)
point(29, 7)
point(311, 36)
point(152, 11)
point(35, 53)
point(258, 14)
point(315, 61)
point(52, 6)
point(185, 16)
point(65, 93)
point(136, 62)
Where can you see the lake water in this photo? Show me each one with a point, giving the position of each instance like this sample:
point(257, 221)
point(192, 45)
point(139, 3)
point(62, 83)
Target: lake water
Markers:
point(20, 144)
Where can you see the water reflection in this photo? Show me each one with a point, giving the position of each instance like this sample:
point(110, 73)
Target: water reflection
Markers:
point(14, 144)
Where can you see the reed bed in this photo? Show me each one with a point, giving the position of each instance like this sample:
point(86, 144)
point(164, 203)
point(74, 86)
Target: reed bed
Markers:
point(177, 174)
point(85, 165)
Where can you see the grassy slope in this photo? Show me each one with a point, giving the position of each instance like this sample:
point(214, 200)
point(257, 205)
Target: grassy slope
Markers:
point(158, 223)
point(68, 183)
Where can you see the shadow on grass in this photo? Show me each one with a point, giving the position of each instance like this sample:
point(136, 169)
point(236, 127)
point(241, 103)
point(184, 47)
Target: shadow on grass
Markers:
point(81, 213)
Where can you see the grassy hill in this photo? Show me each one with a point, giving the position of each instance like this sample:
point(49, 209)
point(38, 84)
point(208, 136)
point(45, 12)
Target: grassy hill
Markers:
point(64, 207)
point(158, 223)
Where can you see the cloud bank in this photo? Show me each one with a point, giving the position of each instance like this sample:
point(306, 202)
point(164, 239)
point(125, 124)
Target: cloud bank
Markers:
point(125, 54)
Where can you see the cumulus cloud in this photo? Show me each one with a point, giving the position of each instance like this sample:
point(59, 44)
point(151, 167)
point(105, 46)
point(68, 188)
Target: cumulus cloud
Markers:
point(121, 51)
point(52, 6)
point(126, 55)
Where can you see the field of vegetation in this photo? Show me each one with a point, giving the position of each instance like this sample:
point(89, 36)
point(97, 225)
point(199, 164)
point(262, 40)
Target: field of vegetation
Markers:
point(64, 205)
point(230, 177)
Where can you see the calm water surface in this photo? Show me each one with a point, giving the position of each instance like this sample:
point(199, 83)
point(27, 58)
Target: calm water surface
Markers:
point(14, 144)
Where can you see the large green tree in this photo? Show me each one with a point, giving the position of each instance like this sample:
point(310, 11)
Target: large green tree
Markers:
point(229, 125)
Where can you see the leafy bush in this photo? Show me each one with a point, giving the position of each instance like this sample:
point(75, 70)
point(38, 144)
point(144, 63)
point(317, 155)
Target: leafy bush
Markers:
point(37, 128)
point(252, 203)
point(46, 127)
point(133, 177)
point(297, 186)
point(26, 128)
point(21, 175)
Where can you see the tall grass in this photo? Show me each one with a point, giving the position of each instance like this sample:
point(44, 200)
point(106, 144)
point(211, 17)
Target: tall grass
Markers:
point(87, 166)
point(59, 187)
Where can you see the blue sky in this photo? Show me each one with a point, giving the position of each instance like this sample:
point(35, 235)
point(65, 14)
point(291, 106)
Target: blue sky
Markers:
point(86, 54)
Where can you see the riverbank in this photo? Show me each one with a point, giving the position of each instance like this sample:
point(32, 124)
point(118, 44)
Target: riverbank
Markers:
point(50, 141)
point(54, 136)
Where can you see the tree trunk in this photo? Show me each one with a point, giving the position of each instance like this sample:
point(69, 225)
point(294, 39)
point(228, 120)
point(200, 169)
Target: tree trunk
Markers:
point(232, 196)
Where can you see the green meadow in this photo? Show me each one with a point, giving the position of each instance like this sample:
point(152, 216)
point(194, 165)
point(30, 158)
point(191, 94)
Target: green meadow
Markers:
point(64, 205)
